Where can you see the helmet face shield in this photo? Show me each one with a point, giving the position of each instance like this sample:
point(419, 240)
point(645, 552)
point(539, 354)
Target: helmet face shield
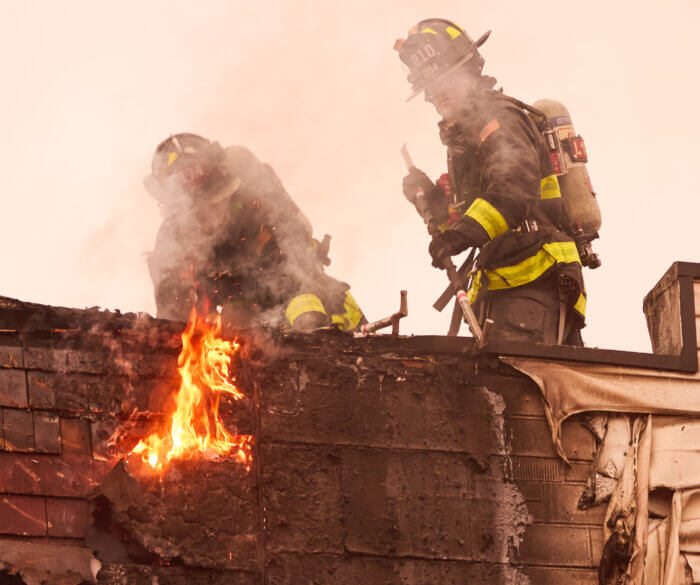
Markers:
point(452, 91)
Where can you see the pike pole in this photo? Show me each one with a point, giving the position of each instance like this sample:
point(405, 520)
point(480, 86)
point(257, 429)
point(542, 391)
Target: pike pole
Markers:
point(421, 204)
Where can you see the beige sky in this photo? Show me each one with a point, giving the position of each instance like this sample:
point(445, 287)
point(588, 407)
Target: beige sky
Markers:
point(315, 89)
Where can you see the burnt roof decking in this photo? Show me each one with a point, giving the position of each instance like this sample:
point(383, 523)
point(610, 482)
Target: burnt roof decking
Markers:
point(19, 316)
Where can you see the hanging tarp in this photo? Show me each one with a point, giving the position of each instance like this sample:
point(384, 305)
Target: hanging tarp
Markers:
point(635, 461)
point(569, 388)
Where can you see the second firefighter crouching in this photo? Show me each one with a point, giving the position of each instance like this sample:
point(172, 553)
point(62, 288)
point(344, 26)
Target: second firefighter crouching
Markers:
point(500, 194)
point(233, 238)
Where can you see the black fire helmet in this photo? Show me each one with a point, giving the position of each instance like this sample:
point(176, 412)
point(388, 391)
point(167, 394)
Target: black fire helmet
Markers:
point(187, 158)
point(435, 47)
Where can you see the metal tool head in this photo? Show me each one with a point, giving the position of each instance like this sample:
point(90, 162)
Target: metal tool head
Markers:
point(406, 157)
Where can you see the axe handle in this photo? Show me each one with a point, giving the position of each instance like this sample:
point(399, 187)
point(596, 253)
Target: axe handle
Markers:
point(455, 320)
point(449, 292)
point(452, 275)
point(424, 210)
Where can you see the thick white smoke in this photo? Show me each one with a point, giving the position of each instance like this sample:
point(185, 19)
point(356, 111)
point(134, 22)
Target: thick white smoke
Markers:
point(317, 91)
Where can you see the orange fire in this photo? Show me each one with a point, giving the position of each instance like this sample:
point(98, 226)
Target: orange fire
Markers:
point(195, 426)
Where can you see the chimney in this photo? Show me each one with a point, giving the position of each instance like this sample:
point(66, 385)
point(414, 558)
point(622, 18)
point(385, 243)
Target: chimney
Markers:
point(672, 310)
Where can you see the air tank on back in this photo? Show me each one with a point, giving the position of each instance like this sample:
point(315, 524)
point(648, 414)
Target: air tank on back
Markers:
point(568, 153)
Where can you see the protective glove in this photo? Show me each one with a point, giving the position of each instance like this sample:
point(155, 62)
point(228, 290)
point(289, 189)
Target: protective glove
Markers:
point(447, 244)
point(414, 180)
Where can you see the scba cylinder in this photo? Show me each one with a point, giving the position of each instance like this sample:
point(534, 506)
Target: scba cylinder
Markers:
point(569, 158)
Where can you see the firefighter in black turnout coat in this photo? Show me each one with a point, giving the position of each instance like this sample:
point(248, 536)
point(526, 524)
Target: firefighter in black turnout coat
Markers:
point(499, 195)
point(233, 238)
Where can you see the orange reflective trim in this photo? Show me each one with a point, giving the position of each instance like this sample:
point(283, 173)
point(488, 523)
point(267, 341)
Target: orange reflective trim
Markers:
point(489, 129)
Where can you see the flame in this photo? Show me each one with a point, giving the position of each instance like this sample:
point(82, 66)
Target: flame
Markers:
point(195, 426)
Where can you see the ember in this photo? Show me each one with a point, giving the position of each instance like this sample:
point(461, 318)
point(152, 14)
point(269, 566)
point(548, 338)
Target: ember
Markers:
point(195, 426)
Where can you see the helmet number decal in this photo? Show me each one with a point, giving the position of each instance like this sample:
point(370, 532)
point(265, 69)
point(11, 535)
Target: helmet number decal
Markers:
point(423, 55)
point(193, 174)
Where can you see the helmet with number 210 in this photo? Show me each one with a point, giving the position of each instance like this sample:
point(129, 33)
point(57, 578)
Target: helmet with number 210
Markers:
point(435, 47)
point(188, 160)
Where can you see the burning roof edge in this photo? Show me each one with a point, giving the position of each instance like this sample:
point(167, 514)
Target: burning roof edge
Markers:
point(675, 315)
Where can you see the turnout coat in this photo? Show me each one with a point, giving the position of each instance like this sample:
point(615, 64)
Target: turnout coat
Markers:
point(501, 191)
point(246, 246)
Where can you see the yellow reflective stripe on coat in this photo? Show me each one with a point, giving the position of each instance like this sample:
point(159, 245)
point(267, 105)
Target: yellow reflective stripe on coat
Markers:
point(488, 217)
point(533, 267)
point(549, 188)
point(306, 303)
point(580, 306)
point(350, 319)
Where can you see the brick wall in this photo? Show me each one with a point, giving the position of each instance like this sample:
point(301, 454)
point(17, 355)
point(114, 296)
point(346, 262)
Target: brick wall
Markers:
point(563, 544)
point(439, 471)
point(374, 463)
point(61, 397)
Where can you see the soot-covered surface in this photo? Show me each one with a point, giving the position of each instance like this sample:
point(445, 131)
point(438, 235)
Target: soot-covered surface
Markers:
point(369, 464)
point(381, 460)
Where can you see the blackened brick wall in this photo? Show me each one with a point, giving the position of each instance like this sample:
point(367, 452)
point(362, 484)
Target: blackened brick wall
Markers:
point(433, 468)
point(376, 461)
point(62, 394)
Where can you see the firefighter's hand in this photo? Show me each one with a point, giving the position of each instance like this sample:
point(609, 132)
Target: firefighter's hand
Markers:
point(415, 180)
point(447, 244)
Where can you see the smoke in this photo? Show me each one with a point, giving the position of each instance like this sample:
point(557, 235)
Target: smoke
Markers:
point(318, 92)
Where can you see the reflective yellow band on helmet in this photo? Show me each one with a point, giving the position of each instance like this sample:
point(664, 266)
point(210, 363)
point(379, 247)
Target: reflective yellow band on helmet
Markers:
point(306, 303)
point(428, 30)
point(453, 32)
point(172, 157)
point(533, 267)
point(350, 319)
point(580, 306)
point(488, 217)
point(549, 188)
